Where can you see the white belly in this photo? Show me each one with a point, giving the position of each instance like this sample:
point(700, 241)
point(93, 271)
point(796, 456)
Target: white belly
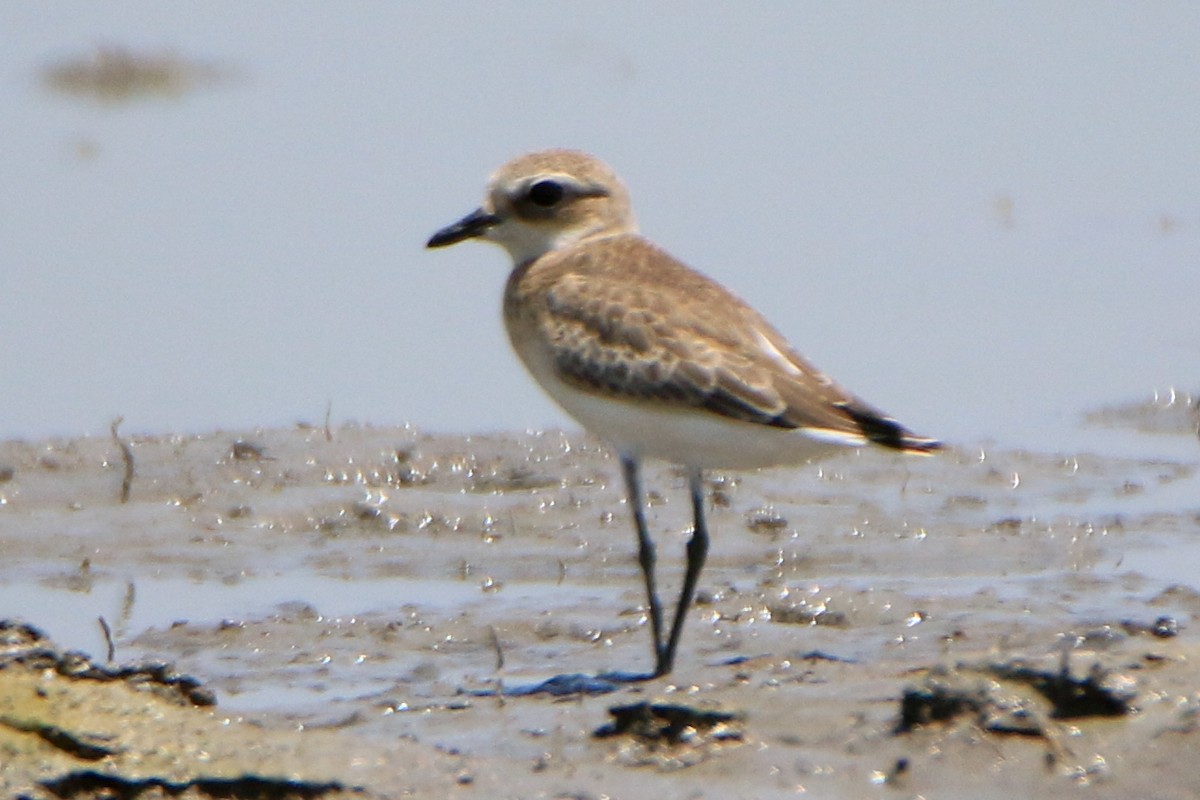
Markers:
point(689, 436)
point(692, 437)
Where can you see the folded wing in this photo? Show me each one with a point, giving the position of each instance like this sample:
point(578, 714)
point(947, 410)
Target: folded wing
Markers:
point(649, 339)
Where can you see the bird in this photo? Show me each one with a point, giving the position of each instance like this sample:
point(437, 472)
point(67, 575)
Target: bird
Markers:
point(651, 356)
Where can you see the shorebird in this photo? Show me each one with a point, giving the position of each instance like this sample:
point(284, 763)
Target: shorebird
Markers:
point(650, 355)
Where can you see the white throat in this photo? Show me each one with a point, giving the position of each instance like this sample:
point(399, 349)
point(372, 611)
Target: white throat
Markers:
point(526, 242)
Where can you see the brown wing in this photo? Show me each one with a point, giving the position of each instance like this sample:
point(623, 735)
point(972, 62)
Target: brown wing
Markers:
point(655, 329)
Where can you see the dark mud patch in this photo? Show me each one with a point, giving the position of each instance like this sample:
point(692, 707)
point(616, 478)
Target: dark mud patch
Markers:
point(997, 697)
point(668, 735)
point(665, 722)
point(87, 785)
point(23, 644)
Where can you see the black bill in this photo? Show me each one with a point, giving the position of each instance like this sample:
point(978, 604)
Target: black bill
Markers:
point(469, 227)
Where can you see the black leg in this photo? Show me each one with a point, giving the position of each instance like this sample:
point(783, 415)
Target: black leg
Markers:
point(697, 551)
point(646, 557)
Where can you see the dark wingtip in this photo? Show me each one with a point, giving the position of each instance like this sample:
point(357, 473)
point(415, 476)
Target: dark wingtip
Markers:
point(921, 445)
point(886, 432)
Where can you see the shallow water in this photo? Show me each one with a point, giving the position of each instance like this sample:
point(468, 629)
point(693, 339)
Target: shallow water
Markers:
point(484, 526)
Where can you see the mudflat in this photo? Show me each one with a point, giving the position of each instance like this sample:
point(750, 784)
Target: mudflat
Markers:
point(378, 612)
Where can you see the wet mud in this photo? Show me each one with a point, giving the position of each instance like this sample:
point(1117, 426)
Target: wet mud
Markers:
point(363, 612)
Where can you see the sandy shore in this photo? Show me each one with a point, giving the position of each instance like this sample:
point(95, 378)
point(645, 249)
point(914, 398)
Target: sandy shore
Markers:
point(368, 607)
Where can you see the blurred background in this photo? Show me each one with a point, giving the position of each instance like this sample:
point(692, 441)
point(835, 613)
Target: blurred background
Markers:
point(982, 217)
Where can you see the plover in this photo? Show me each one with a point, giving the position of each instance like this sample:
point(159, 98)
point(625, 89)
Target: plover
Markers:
point(649, 355)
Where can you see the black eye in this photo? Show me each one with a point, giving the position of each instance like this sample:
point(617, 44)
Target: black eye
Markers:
point(545, 193)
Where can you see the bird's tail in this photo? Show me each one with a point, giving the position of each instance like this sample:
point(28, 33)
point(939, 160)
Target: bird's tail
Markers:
point(885, 431)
